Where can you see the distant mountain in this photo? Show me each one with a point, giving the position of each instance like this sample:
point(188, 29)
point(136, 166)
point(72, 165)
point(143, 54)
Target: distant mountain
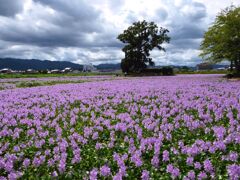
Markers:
point(216, 66)
point(108, 66)
point(24, 64)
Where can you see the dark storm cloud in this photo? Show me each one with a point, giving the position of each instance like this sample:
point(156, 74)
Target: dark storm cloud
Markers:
point(73, 23)
point(75, 8)
point(179, 44)
point(81, 31)
point(188, 24)
point(187, 31)
point(10, 7)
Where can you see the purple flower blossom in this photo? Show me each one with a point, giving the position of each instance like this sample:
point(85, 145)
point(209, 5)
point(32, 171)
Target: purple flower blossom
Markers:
point(175, 172)
point(165, 155)
point(197, 165)
point(233, 171)
point(233, 156)
point(155, 161)
point(189, 161)
point(26, 162)
point(145, 175)
point(93, 174)
point(208, 167)
point(202, 175)
point(191, 175)
point(105, 170)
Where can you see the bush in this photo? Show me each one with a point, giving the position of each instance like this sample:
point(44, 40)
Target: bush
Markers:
point(167, 71)
point(164, 71)
point(24, 84)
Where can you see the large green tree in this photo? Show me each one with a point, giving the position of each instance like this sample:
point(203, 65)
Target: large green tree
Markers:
point(140, 38)
point(222, 40)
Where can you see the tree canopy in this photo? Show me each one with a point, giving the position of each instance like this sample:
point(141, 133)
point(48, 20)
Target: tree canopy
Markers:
point(140, 39)
point(222, 40)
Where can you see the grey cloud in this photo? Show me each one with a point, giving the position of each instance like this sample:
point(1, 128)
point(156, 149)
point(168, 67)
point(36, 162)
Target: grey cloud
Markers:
point(185, 44)
point(187, 26)
point(161, 14)
point(10, 7)
point(131, 17)
point(187, 31)
point(200, 11)
point(58, 29)
point(75, 8)
point(73, 30)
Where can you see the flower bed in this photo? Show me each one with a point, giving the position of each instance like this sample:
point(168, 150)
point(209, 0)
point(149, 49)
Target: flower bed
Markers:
point(185, 127)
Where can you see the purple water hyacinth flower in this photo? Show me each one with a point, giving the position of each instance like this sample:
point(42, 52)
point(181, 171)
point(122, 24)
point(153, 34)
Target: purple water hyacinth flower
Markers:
point(95, 136)
point(98, 146)
point(117, 176)
point(233, 156)
point(62, 166)
point(219, 132)
point(175, 172)
point(26, 162)
point(136, 159)
point(189, 161)
point(208, 167)
point(191, 175)
point(233, 171)
point(145, 175)
point(16, 148)
point(50, 162)
point(3, 178)
point(165, 155)
point(12, 176)
point(202, 175)
point(54, 174)
point(93, 174)
point(197, 165)
point(155, 161)
point(105, 170)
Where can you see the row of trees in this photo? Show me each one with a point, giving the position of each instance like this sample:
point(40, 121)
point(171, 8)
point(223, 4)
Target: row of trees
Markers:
point(221, 42)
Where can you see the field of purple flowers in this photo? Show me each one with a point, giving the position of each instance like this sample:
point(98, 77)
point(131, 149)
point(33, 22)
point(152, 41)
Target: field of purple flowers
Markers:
point(182, 127)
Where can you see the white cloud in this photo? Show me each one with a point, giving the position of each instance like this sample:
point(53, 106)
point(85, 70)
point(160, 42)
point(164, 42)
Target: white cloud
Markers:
point(85, 31)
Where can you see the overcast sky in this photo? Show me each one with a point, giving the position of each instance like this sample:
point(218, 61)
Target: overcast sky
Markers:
point(85, 31)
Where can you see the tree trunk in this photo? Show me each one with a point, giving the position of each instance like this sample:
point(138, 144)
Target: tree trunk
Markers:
point(231, 66)
point(237, 67)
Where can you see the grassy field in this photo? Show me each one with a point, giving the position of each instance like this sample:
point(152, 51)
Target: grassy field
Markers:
point(56, 75)
point(205, 72)
point(3, 76)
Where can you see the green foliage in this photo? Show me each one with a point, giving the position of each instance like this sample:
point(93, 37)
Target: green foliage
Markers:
point(29, 84)
point(140, 39)
point(25, 84)
point(39, 75)
point(222, 40)
point(164, 71)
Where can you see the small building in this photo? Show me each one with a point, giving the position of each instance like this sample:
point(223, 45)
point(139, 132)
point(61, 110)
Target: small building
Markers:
point(6, 70)
point(31, 71)
point(55, 71)
point(204, 66)
point(67, 70)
